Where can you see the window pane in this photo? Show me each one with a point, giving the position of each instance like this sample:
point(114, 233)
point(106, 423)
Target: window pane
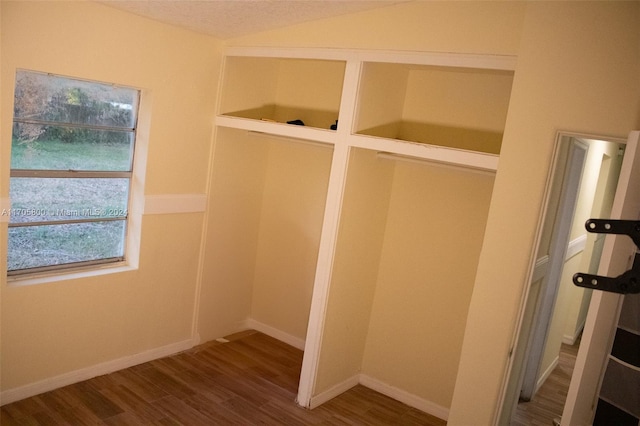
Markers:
point(44, 199)
point(62, 126)
point(46, 97)
point(37, 246)
point(40, 147)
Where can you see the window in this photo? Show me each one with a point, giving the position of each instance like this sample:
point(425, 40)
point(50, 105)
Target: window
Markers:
point(71, 168)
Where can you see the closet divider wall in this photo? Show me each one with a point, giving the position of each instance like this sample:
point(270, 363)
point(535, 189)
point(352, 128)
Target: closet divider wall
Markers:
point(366, 261)
point(355, 270)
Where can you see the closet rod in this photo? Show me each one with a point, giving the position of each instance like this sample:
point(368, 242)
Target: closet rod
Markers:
point(427, 161)
point(290, 139)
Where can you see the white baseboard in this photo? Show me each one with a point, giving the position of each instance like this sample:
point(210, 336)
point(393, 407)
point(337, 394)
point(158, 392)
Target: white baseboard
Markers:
point(287, 338)
point(334, 391)
point(571, 340)
point(405, 397)
point(547, 373)
point(367, 381)
point(196, 340)
point(32, 389)
point(385, 389)
point(576, 246)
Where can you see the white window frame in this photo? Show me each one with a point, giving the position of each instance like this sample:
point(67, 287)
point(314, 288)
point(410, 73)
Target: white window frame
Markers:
point(131, 215)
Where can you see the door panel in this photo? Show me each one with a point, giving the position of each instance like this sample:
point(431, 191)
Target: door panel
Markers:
point(600, 326)
point(557, 253)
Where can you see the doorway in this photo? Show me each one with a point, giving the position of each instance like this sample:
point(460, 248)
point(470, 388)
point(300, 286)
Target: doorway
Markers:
point(581, 185)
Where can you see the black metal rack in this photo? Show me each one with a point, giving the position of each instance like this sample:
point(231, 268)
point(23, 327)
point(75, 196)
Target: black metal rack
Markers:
point(628, 282)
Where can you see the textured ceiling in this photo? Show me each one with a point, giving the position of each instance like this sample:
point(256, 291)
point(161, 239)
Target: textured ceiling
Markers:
point(226, 19)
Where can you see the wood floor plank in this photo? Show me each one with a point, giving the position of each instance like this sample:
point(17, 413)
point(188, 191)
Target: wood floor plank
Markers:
point(128, 419)
point(79, 415)
point(24, 408)
point(130, 402)
point(294, 411)
point(55, 400)
point(101, 406)
point(250, 413)
point(176, 409)
point(138, 385)
point(416, 417)
point(215, 411)
point(251, 380)
point(548, 402)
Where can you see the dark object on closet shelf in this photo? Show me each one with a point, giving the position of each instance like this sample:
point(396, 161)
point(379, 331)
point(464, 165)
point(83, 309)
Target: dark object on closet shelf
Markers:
point(296, 122)
point(628, 282)
point(334, 126)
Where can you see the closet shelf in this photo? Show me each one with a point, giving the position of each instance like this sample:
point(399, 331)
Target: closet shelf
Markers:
point(440, 154)
point(282, 114)
point(467, 139)
point(443, 154)
point(278, 129)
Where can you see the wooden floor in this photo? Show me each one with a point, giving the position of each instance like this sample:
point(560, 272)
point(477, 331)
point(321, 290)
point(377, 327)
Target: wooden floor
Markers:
point(251, 380)
point(548, 403)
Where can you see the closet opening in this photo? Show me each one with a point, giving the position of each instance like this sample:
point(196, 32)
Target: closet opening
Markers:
point(407, 249)
point(267, 203)
point(581, 185)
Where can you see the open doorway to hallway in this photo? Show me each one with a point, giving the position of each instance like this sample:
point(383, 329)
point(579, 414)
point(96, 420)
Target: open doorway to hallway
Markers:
point(581, 186)
point(547, 404)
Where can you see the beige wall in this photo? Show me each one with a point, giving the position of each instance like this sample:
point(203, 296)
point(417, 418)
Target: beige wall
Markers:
point(295, 192)
point(577, 70)
point(60, 327)
point(489, 27)
point(235, 200)
point(459, 98)
point(382, 95)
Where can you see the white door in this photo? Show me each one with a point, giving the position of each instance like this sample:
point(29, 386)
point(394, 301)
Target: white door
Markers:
point(557, 254)
point(599, 330)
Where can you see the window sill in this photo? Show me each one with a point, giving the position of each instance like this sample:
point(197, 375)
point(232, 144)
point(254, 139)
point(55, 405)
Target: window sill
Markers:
point(69, 274)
